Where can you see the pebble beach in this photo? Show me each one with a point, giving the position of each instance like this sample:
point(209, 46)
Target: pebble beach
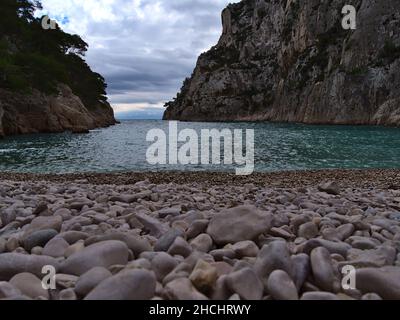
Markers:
point(201, 236)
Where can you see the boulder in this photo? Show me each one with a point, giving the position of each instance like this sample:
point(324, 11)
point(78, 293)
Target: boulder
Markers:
point(127, 285)
point(238, 224)
point(102, 254)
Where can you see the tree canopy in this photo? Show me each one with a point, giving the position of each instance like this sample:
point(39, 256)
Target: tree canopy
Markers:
point(34, 58)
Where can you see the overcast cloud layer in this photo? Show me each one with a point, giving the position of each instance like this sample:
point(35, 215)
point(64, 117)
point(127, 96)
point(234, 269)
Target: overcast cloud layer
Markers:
point(144, 48)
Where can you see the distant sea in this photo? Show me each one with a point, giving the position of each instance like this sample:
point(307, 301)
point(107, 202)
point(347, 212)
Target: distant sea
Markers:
point(277, 147)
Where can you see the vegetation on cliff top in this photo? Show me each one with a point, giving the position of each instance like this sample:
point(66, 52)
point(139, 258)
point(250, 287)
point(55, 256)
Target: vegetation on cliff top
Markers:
point(34, 58)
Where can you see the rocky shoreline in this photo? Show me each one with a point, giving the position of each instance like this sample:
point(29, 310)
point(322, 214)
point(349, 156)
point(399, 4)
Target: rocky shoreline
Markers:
point(189, 236)
point(41, 113)
point(367, 178)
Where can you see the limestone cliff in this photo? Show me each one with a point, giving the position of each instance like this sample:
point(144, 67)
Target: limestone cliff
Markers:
point(291, 60)
point(37, 112)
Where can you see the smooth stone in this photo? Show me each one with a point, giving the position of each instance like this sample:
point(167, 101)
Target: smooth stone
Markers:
point(68, 295)
point(202, 243)
point(282, 233)
point(383, 281)
point(72, 249)
point(378, 257)
point(324, 275)
point(163, 213)
point(275, 256)
point(319, 296)
point(345, 231)
point(30, 285)
point(222, 268)
point(102, 254)
point(127, 285)
point(130, 198)
point(78, 204)
point(55, 248)
point(281, 287)
point(183, 289)
point(196, 228)
point(180, 247)
point(139, 264)
point(134, 223)
point(180, 224)
point(221, 254)
point(73, 236)
point(8, 216)
point(175, 274)
point(330, 234)
point(308, 230)
point(37, 251)
point(333, 247)
point(89, 280)
point(10, 229)
point(20, 250)
point(371, 296)
point(221, 290)
point(162, 264)
point(66, 280)
point(12, 244)
point(3, 243)
point(154, 226)
point(239, 224)
point(246, 284)
point(41, 208)
point(64, 213)
point(196, 256)
point(12, 264)
point(298, 221)
point(395, 216)
point(280, 219)
point(302, 268)
point(44, 223)
point(364, 244)
point(245, 249)
point(204, 276)
point(135, 243)
point(330, 187)
point(7, 290)
point(124, 198)
point(337, 257)
point(165, 242)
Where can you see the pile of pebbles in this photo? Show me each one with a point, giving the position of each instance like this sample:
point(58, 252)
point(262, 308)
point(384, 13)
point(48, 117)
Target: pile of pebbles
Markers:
point(197, 241)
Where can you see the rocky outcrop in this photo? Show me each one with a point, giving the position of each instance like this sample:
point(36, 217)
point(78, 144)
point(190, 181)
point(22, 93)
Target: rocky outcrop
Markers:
point(291, 60)
point(37, 112)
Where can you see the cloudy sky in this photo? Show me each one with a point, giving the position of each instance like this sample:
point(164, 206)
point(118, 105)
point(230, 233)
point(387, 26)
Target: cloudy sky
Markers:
point(144, 48)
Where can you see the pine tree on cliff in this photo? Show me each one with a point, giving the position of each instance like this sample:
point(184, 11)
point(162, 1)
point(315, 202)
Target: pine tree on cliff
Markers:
point(34, 58)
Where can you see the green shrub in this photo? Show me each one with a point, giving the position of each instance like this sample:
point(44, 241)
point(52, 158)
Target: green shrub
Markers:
point(31, 57)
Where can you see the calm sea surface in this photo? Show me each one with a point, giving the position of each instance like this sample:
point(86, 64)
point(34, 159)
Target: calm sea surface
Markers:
point(277, 147)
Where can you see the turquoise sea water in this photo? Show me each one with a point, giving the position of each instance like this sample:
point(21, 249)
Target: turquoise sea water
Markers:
point(277, 147)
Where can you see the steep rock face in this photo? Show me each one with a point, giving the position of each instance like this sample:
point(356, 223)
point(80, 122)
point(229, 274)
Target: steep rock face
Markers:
point(36, 112)
point(291, 60)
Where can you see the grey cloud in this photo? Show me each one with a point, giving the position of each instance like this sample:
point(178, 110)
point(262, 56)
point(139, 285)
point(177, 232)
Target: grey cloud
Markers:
point(146, 61)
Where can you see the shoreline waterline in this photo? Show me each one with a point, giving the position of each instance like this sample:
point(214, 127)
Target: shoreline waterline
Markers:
point(376, 178)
